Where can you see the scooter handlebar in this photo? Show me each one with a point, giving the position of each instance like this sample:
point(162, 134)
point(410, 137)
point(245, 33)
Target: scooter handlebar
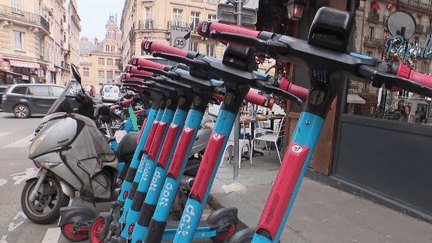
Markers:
point(151, 46)
point(260, 100)
point(296, 90)
point(134, 70)
point(205, 27)
point(406, 72)
point(139, 61)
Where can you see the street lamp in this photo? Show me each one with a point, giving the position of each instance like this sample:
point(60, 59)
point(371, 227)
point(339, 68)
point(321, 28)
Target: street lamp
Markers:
point(295, 9)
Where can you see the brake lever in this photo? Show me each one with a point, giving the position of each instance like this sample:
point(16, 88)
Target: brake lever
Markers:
point(403, 83)
point(158, 71)
point(265, 46)
point(190, 62)
point(277, 91)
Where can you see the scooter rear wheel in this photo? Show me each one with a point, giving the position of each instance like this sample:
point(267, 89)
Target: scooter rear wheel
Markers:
point(68, 232)
point(95, 229)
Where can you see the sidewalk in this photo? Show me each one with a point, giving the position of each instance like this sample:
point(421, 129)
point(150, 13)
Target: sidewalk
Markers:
point(320, 213)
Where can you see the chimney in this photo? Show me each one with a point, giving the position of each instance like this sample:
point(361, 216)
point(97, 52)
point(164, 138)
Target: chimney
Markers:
point(96, 41)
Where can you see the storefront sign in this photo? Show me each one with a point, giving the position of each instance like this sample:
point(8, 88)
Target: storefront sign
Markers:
point(396, 44)
point(24, 64)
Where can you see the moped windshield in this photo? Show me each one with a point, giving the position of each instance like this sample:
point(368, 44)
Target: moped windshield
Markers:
point(66, 101)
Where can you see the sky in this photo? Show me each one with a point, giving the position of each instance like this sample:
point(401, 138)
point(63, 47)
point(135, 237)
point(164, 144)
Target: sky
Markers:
point(94, 15)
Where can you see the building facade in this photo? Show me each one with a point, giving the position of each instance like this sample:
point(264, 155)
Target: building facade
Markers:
point(100, 61)
point(38, 40)
point(155, 20)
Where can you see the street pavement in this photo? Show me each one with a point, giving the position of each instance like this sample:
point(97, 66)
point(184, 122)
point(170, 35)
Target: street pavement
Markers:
point(320, 213)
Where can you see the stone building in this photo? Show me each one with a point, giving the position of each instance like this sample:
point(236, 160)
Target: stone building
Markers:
point(38, 40)
point(99, 61)
point(155, 19)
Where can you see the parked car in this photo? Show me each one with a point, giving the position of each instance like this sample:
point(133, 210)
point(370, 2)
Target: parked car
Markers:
point(2, 90)
point(24, 100)
point(110, 93)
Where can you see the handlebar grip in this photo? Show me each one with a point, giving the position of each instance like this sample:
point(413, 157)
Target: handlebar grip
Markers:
point(258, 99)
point(137, 61)
point(296, 90)
point(218, 97)
point(206, 26)
point(128, 77)
point(126, 102)
point(134, 70)
point(152, 46)
point(406, 72)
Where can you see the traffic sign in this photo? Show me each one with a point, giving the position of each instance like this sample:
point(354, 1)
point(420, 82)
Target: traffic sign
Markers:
point(227, 13)
point(180, 37)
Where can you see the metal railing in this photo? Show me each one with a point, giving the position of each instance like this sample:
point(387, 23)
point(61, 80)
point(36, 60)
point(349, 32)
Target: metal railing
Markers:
point(373, 16)
point(177, 24)
point(417, 4)
point(373, 42)
point(419, 28)
point(145, 24)
point(20, 15)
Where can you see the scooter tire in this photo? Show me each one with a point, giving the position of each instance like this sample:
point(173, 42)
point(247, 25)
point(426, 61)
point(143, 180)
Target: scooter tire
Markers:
point(35, 211)
point(68, 232)
point(95, 229)
point(226, 236)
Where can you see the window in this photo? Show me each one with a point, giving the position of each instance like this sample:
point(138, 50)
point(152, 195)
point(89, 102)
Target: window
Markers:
point(117, 75)
point(112, 48)
point(117, 61)
point(20, 90)
point(210, 50)
point(18, 38)
point(177, 16)
point(101, 61)
point(371, 32)
point(39, 91)
point(195, 18)
point(211, 17)
point(56, 91)
point(107, 49)
point(109, 76)
point(85, 72)
point(109, 61)
point(101, 76)
point(148, 18)
point(17, 6)
point(213, 1)
point(194, 46)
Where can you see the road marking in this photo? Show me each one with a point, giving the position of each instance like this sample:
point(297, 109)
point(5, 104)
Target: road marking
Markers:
point(22, 176)
point(22, 143)
point(3, 133)
point(52, 235)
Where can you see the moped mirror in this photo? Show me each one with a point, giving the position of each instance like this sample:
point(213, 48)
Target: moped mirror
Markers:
point(76, 73)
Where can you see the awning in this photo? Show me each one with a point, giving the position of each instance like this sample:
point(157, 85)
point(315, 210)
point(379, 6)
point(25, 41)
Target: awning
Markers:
point(24, 64)
point(355, 99)
point(9, 72)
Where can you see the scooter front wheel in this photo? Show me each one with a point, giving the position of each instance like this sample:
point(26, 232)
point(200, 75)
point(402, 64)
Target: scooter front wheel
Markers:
point(95, 229)
point(45, 208)
point(69, 231)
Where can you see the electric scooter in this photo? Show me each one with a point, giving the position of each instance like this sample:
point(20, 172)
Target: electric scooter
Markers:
point(325, 55)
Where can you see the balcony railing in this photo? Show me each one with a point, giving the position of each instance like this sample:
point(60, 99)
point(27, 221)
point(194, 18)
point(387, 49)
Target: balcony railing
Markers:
point(419, 28)
point(145, 24)
point(20, 15)
point(177, 24)
point(429, 30)
point(417, 4)
point(373, 17)
point(374, 42)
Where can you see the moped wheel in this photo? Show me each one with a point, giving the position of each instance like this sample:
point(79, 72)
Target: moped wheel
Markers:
point(45, 208)
point(95, 229)
point(70, 234)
